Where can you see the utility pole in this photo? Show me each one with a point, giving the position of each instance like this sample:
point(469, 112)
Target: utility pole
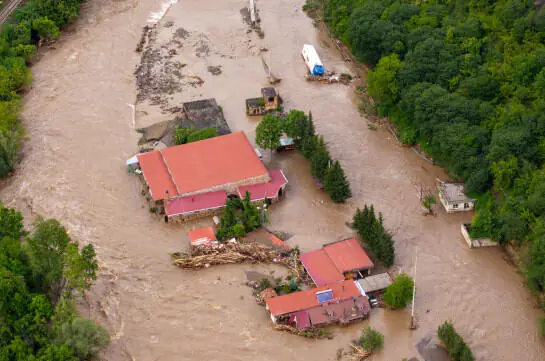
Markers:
point(413, 321)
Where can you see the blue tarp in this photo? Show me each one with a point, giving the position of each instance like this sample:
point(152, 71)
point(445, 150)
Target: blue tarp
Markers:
point(318, 70)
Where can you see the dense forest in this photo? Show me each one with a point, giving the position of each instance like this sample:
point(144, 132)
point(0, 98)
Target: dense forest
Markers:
point(466, 81)
point(41, 273)
point(37, 21)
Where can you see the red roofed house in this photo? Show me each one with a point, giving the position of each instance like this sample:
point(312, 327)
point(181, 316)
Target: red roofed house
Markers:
point(336, 262)
point(341, 302)
point(190, 179)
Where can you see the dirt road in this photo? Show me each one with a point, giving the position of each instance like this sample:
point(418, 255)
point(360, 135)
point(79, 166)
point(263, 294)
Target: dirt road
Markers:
point(80, 130)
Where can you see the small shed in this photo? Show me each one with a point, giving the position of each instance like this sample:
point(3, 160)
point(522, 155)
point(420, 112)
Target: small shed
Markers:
point(376, 283)
point(202, 237)
point(255, 106)
point(453, 197)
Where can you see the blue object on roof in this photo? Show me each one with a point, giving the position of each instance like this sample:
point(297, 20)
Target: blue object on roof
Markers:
point(324, 296)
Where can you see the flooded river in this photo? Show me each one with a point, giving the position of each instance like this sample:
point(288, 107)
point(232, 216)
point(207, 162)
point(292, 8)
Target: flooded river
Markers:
point(81, 130)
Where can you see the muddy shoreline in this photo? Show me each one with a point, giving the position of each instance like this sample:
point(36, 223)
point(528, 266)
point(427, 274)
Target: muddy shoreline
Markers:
point(81, 130)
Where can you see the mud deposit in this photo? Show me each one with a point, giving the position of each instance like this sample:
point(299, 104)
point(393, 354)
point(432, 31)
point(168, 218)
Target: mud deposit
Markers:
point(81, 131)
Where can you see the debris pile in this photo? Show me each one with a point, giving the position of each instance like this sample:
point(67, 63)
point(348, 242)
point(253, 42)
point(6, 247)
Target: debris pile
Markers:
point(315, 333)
point(358, 353)
point(230, 253)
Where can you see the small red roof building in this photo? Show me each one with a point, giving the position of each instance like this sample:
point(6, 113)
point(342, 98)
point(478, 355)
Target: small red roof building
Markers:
point(334, 261)
point(202, 236)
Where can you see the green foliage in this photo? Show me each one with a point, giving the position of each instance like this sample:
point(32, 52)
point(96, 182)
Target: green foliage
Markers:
point(372, 230)
point(371, 340)
point(400, 293)
point(189, 135)
point(269, 131)
point(45, 28)
point(202, 134)
point(9, 147)
point(238, 218)
point(336, 184)
point(319, 162)
point(84, 337)
point(541, 326)
point(429, 201)
point(466, 80)
point(47, 261)
point(457, 348)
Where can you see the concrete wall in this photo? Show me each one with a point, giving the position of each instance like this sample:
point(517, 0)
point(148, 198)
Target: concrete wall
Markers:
point(476, 242)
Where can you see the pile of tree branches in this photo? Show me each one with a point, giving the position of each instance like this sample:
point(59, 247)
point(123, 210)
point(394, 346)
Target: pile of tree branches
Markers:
point(315, 333)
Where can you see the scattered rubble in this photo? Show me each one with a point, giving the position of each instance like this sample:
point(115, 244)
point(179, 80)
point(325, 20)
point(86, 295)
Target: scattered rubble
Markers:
point(214, 70)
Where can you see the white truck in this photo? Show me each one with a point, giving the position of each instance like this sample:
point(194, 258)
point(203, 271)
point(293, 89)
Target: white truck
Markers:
point(312, 60)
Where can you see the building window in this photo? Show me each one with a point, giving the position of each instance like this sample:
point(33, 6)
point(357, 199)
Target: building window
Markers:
point(466, 205)
point(455, 205)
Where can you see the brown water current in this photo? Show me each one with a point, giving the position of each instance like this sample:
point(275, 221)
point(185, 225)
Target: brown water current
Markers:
point(80, 129)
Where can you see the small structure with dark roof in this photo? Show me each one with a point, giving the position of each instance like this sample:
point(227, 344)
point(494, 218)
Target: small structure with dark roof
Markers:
point(453, 197)
point(204, 113)
point(336, 262)
point(269, 101)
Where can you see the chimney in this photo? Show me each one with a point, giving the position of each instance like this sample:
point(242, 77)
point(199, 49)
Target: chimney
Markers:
point(166, 195)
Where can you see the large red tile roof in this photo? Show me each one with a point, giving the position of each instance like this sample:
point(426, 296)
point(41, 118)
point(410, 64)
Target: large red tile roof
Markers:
point(200, 165)
point(305, 300)
point(199, 202)
point(328, 264)
point(320, 267)
point(265, 190)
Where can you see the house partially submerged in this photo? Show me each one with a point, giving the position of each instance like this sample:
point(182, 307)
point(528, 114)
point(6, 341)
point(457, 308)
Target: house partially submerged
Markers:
point(195, 179)
point(269, 101)
point(453, 197)
point(339, 303)
point(336, 262)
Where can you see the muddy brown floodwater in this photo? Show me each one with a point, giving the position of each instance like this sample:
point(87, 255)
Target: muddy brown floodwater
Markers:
point(81, 130)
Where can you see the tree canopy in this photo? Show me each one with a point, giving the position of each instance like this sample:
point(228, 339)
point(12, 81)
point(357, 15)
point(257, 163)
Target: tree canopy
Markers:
point(39, 272)
point(465, 80)
point(400, 293)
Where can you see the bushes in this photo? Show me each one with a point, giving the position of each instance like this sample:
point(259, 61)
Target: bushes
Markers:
point(372, 230)
point(84, 337)
point(189, 135)
point(239, 217)
point(371, 340)
point(400, 293)
point(456, 347)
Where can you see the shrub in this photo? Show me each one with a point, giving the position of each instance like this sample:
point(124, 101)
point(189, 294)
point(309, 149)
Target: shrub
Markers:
point(181, 135)
point(85, 337)
point(238, 230)
point(400, 292)
point(202, 134)
point(371, 340)
point(456, 347)
point(9, 147)
point(45, 28)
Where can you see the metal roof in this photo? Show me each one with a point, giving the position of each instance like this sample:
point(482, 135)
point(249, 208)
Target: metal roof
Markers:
point(376, 282)
point(454, 192)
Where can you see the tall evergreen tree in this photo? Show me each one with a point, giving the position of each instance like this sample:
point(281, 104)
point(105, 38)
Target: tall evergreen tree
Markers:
point(336, 184)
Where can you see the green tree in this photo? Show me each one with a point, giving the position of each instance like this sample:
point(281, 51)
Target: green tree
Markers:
point(84, 337)
point(336, 184)
point(9, 147)
point(371, 340)
point(268, 132)
point(250, 217)
point(79, 267)
point(46, 248)
point(45, 28)
point(320, 160)
point(383, 83)
point(400, 293)
point(11, 223)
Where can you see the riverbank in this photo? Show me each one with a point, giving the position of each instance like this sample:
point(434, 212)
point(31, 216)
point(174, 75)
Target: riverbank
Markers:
point(81, 132)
